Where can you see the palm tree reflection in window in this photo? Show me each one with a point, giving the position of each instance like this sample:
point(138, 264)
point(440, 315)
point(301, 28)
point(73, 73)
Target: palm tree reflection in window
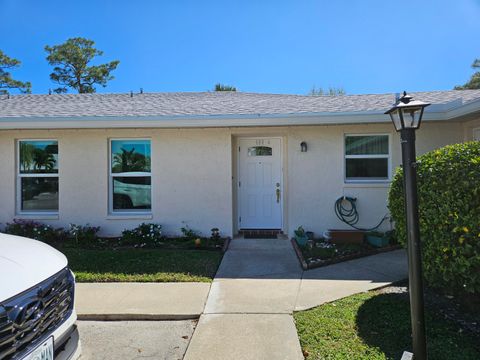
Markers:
point(130, 175)
point(130, 161)
point(38, 175)
point(38, 157)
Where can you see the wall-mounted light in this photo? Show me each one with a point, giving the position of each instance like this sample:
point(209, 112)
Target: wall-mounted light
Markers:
point(303, 146)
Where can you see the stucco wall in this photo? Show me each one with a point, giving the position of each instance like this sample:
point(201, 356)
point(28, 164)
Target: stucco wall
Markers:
point(193, 169)
point(316, 178)
point(191, 178)
point(469, 128)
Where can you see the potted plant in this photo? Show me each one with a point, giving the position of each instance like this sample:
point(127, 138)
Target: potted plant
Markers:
point(377, 239)
point(300, 236)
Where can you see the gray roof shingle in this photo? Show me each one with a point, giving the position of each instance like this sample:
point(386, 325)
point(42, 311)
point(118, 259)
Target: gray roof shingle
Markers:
point(207, 104)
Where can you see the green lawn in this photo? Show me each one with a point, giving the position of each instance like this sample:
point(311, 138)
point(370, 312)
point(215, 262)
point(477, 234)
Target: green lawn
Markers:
point(143, 265)
point(373, 326)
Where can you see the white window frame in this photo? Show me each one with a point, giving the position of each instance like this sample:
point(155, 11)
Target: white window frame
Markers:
point(111, 175)
point(476, 131)
point(19, 177)
point(380, 156)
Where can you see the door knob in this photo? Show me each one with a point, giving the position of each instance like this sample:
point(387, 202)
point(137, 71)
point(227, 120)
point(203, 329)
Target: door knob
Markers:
point(278, 195)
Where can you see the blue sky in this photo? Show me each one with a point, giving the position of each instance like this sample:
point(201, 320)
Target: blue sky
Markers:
point(258, 46)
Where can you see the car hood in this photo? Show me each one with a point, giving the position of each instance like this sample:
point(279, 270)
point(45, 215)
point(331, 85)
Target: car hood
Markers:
point(25, 263)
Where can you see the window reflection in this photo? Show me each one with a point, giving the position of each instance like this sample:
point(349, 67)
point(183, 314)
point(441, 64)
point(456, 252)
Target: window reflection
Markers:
point(259, 151)
point(39, 193)
point(130, 193)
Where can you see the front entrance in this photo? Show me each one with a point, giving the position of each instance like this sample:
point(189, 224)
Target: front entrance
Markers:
point(260, 190)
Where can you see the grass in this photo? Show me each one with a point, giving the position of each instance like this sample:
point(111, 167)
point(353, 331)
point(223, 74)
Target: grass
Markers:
point(374, 326)
point(143, 265)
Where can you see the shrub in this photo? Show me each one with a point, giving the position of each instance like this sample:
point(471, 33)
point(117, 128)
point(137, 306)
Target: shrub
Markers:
point(35, 230)
point(449, 209)
point(144, 235)
point(189, 234)
point(84, 235)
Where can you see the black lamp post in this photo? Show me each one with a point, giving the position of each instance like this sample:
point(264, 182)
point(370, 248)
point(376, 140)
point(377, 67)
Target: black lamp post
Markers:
point(407, 115)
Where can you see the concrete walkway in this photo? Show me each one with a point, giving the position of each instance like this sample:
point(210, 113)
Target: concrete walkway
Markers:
point(248, 314)
point(140, 301)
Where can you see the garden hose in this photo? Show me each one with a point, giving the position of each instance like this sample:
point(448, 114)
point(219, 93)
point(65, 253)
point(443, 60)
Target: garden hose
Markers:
point(349, 214)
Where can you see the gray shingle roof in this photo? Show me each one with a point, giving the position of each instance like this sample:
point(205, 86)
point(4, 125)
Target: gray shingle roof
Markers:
point(208, 104)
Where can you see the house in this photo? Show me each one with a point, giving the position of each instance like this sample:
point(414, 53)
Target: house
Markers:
point(230, 160)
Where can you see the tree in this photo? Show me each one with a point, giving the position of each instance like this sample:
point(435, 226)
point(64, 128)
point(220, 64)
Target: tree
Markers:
point(332, 91)
point(71, 60)
point(221, 87)
point(474, 82)
point(6, 80)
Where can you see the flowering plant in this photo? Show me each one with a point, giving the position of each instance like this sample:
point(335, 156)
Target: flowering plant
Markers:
point(34, 230)
point(144, 235)
point(84, 234)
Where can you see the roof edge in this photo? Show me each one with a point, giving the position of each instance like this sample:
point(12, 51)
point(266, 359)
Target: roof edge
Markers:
point(435, 112)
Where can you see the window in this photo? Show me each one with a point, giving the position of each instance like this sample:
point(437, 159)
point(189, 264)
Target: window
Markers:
point(260, 151)
point(130, 176)
point(476, 134)
point(37, 176)
point(367, 157)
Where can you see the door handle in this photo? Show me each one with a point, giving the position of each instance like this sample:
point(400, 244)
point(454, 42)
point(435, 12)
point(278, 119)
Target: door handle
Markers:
point(278, 195)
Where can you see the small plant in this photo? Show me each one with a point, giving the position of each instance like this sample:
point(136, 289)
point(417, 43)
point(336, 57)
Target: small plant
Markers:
point(35, 230)
point(188, 233)
point(144, 235)
point(215, 237)
point(215, 234)
point(83, 234)
point(300, 236)
point(300, 232)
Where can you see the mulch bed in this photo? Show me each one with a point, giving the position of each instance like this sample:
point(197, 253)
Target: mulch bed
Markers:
point(316, 263)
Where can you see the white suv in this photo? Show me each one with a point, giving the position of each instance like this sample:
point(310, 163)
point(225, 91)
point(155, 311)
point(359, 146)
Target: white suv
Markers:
point(37, 318)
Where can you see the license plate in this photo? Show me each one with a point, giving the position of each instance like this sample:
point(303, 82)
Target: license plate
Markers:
point(43, 352)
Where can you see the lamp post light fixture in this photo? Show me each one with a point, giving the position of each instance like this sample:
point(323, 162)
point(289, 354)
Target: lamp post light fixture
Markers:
point(406, 116)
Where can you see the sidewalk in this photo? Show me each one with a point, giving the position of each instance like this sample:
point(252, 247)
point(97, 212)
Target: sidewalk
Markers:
point(140, 301)
point(259, 284)
point(246, 313)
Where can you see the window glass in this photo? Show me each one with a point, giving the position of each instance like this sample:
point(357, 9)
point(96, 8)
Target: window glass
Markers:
point(130, 175)
point(367, 168)
point(132, 193)
point(130, 156)
point(37, 185)
point(367, 157)
point(260, 151)
point(38, 157)
point(39, 193)
point(366, 145)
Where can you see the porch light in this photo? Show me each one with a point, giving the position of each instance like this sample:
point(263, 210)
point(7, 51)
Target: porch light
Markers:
point(407, 113)
point(303, 146)
point(406, 116)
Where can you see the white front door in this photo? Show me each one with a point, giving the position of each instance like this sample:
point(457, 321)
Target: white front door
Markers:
point(260, 190)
